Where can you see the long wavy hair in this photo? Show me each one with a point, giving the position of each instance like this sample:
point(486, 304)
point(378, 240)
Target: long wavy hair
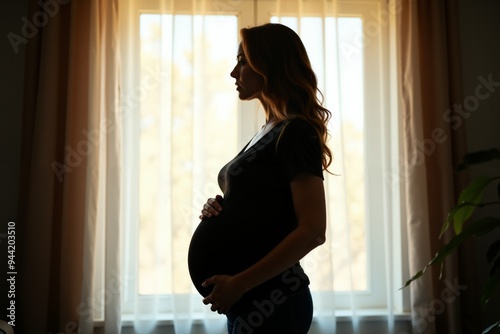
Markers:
point(290, 88)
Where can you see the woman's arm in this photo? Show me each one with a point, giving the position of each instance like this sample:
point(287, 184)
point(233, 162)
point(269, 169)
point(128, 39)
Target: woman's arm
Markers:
point(310, 208)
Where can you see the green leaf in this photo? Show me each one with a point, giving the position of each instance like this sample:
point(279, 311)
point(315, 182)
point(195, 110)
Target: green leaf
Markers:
point(472, 195)
point(478, 157)
point(491, 327)
point(480, 227)
point(447, 222)
point(493, 251)
point(414, 277)
point(489, 288)
point(467, 202)
point(450, 219)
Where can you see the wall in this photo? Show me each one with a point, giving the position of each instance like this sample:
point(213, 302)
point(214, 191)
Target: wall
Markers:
point(11, 90)
point(480, 28)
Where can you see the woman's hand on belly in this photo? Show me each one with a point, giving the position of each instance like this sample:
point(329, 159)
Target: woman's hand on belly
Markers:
point(212, 207)
point(225, 294)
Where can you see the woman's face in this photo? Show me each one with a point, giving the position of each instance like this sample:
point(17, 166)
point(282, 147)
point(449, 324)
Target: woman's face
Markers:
point(249, 83)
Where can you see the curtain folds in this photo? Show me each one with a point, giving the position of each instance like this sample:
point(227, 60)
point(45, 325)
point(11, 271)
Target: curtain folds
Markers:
point(70, 163)
point(430, 88)
point(102, 288)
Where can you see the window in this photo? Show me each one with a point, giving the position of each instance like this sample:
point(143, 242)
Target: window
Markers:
point(185, 122)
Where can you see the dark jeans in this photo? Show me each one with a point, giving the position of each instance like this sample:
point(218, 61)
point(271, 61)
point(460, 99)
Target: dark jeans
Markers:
point(287, 314)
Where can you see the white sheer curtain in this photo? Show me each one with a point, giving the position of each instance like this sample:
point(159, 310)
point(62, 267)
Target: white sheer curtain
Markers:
point(352, 274)
point(182, 122)
point(182, 125)
point(100, 95)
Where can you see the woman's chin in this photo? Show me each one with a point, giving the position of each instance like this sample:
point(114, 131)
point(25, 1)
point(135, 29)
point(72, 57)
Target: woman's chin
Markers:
point(245, 97)
point(242, 96)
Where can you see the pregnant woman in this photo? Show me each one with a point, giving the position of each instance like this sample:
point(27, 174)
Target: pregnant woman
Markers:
point(244, 255)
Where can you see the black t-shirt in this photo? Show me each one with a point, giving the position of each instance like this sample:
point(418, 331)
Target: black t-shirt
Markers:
point(257, 209)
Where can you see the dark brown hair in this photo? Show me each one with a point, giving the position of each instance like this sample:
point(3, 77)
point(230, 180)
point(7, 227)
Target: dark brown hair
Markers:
point(290, 87)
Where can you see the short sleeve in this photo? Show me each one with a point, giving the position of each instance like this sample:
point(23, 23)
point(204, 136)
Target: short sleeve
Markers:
point(298, 149)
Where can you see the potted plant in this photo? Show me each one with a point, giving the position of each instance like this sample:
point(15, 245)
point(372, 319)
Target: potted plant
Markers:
point(471, 199)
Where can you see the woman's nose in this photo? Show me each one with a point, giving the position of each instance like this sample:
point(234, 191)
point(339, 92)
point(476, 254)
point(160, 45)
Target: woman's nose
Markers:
point(234, 72)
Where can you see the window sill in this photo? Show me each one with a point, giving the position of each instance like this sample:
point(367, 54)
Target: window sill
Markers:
point(340, 316)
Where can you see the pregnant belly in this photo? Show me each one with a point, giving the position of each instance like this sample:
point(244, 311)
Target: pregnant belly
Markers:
point(220, 246)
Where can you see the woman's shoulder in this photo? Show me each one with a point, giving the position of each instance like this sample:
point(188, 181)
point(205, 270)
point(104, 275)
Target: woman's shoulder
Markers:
point(297, 132)
point(298, 126)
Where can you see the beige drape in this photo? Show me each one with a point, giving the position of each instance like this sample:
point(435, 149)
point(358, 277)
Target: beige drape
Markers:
point(430, 85)
point(70, 89)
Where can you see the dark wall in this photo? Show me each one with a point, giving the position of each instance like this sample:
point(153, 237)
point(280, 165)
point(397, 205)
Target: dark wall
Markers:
point(11, 92)
point(480, 39)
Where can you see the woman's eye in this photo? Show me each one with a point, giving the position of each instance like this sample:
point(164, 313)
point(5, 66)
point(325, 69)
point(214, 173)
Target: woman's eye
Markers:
point(240, 60)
